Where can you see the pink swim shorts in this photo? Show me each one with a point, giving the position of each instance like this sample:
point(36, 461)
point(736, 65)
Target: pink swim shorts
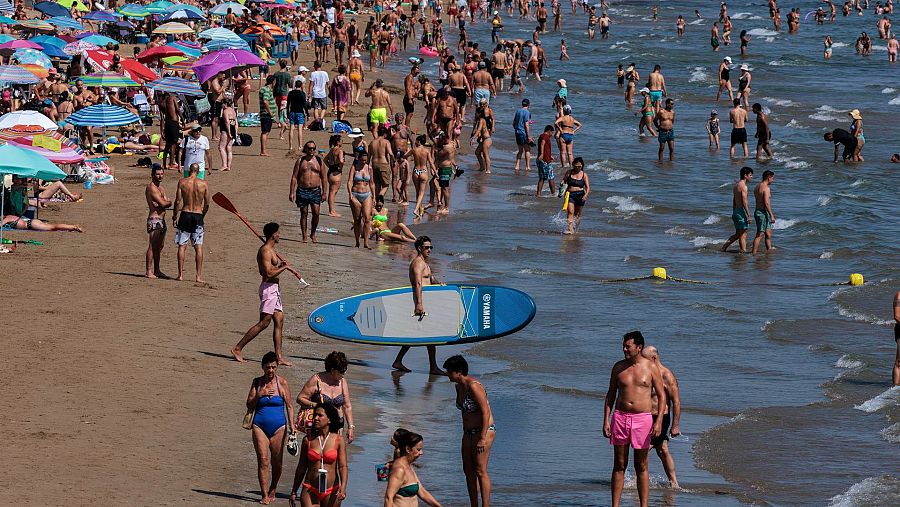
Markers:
point(269, 298)
point(630, 428)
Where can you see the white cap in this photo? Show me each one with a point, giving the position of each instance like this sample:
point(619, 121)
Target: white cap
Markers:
point(727, 59)
point(302, 69)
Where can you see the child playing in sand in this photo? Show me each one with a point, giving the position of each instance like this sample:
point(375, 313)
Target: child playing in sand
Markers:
point(712, 128)
point(563, 53)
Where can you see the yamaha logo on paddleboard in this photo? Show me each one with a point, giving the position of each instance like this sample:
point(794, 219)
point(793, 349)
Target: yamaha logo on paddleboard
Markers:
point(487, 315)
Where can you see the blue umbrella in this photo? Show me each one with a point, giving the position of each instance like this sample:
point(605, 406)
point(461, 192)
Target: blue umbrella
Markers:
point(159, 7)
point(182, 14)
point(186, 7)
point(103, 16)
point(222, 9)
point(32, 56)
point(102, 115)
point(219, 44)
point(177, 85)
point(99, 40)
point(124, 24)
point(64, 22)
point(48, 39)
point(6, 38)
point(53, 51)
point(52, 9)
point(6, 20)
point(188, 49)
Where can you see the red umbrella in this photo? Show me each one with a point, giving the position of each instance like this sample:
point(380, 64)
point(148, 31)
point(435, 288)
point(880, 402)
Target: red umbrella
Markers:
point(157, 53)
point(137, 71)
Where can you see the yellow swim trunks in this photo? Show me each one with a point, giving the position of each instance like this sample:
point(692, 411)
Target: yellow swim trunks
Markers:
point(378, 115)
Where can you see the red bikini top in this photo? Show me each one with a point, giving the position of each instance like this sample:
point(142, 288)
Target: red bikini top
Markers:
point(330, 457)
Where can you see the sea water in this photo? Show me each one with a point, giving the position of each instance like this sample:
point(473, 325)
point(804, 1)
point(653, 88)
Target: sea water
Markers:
point(784, 376)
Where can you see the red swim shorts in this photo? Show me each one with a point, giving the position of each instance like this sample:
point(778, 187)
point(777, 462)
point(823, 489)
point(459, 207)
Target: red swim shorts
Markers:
point(631, 429)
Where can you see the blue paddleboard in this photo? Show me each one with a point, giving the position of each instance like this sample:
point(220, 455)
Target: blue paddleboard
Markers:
point(454, 314)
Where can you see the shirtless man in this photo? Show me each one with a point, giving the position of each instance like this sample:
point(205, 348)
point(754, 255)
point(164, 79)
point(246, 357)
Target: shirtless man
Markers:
point(483, 84)
point(459, 87)
point(895, 373)
point(665, 124)
point(763, 134)
point(892, 47)
point(400, 138)
point(671, 415)
point(657, 84)
point(763, 215)
point(341, 39)
point(270, 308)
point(308, 187)
point(500, 66)
point(420, 274)
point(380, 107)
point(541, 15)
point(604, 20)
point(631, 384)
point(410, 92)
point(445, 161)
point(738, 117)
point(157, 202)
point(381, 160)
point(191, 205)
point(445, 111)
point(740, 211)
point(171, 130)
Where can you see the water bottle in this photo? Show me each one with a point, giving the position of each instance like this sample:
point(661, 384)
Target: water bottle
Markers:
point(88, 184)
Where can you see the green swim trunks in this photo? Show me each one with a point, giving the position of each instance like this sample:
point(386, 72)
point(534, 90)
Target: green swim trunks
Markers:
point(740, 219)
point(378, 115)
point(763, 220)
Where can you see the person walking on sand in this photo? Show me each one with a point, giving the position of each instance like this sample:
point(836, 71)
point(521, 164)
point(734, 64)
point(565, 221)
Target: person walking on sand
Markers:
point(629, 401)
point(740, 210)
point(763, 134)
point(267, 111)
point(419, 274)
point(191, 205)
point(157, 202)
point(423, 170)
point(308, 187)
point(895, 373)
point(270, 307)
point(322, 471)
point(738, 116)
point(763, 215)
point(445, 161)
point(670, 417)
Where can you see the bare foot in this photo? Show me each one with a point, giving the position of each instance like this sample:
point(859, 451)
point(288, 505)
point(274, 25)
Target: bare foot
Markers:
point(436, 371)
point(150, 275)
point(284, 362)
point(399, 366)
point(199, 280)
point(264, 155)
point(367, 247)
point(334, 214)
point(78, 228)
point(313, 238)
point(180, 278)
point(236, 354)
point(304, 239)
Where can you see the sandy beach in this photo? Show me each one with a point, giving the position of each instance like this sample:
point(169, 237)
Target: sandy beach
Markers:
point(134, 398)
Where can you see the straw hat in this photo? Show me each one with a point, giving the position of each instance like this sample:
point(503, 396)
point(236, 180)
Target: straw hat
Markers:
point(855, 114)
point(356, 132)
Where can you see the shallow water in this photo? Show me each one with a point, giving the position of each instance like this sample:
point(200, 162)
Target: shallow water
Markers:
point(784, 376)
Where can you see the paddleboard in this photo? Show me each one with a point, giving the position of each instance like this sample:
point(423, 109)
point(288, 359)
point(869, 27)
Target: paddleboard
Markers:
point(455, 314)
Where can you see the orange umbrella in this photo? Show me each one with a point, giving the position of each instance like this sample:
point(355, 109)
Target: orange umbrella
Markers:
point(258, 29)
point(38, 70)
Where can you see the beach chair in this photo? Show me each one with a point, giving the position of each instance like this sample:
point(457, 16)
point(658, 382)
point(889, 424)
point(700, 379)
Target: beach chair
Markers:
point(281, 48)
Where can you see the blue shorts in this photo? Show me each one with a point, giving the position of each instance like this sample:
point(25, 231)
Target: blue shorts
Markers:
point(521, 138)
point(482, 94)
point(297, 118)
point(655, 96)
point(545, 170)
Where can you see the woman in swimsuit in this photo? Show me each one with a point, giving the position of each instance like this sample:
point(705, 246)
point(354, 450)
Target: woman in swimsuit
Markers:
point(227, 132)
point(856, 129)
point(269, 396)
point(404, 488)
point(745, 41)
point(399, 233)
point(322, 469)
point(566, 127)
point(579, 188)
point(334, 160)
point(423, 170)
point(242, 89)
point(481, 133)
point(828, 43)
point(478, 428)
point(632, 76)
point(726, 31)
point(725, 79)
point(330, 387)
point(744, 85)
point(359, 186)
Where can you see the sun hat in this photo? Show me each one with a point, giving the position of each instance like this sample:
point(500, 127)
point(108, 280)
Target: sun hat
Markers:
point(855, 114)
point(645, 90)
point(561, 82)
point(355, 53)
point(302, 68)
point(356, 132)
point(745, 67)
point(714, 113)
point(727, 59)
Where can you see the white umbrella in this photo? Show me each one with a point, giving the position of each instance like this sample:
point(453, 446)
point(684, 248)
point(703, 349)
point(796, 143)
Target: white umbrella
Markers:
point(25, 123)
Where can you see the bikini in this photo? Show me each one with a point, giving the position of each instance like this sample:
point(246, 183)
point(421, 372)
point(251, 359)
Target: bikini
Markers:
point(409, 491)
point(360, 196)
point(329, 457)
point(576, 197)
point(470, 406)
point(269, 415)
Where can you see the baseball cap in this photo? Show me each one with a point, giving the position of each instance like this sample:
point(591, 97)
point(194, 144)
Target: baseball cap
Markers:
point(526, 102)
point(302, 69)
point(196, 128)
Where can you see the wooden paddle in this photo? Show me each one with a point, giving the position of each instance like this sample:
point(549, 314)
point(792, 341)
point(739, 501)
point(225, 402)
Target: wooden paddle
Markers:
point(220, 199)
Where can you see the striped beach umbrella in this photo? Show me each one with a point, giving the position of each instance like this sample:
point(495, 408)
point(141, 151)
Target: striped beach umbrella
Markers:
point(178, 64)
point(36, 69)
point(16, 75)
point(183, 14)
point(76, 48)
point(108, 80)
point(53, 146)
point(33, 56)
point(134, 11)
point(186, 7)
point(64, 22)
point(99, 40)
point(158, 52)
point(6, 20)
point(173, 28)
point(177, 85)
point(222, 9)
point(191, 49)
point(102, 16)
point(159, 6)
point(220, 44)
point(102, 115)
point(34, 24)
point(25, 123)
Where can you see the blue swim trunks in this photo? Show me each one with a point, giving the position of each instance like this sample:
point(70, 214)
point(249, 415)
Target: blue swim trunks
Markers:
point(740, 219)
point(655, 96)
point(521, 138)
point(666, 136)
point(763, 220)
point(545, 170)
point(297, 118)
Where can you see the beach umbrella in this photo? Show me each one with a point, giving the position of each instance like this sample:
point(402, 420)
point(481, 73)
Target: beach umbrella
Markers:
point(226, 60)
point(25, 123)
point(159, 6)
point(173, 28)
point(54, 146)
point(186, 7)
point(222, 9)
point(158, 52)
point(102, 16)
point(79, 6)
point(6, 20)
point(19, 44)
point(124, 23)
point(134, 11)
point(27, 164)
point(52, 9)
point(38, 70)
point(178, 64)
point(278, 6)
point(34, 56)
point(99, 40)
point(34, 24)
point(76, 48)
point(217, 33)
point(192, 49)
point(64, 22)
point(53, 51)
point(259, 28)
point(177, 85)
point(49, 39)
point(108, 80)
point(102, 115)
point(6, 38)
point(220, 44)
point(82, 35)
point(16, 75)
point(137, 71)
point(183, 14)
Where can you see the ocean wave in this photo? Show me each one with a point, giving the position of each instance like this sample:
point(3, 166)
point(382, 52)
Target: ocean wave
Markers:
point(779, 63)
point(826, 255)
point(530, 188)
point(889, 398)
point(846, 362)
point(894, 101)
point(828, 113)
point(462, 256)
point(712, 219)
point(863, 317)
point(888, 90)
point(857, 183)
point(702, 241)
point(793, 124)
point(823, 200)
point(619, 174)
point(696, 22)
point(839, 45)
point(782, 224)
point(678, 231)
point(744, 15)
point(534, 271)
point(698, 75)
point(847, 195)
point(762, 32)
point(779, 102)
point(796, 164)
point(891, 433)
point(870, 491)
point(627, 204)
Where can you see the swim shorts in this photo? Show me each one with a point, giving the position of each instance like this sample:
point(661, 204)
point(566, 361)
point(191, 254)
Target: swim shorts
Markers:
point(498, 73)
point(409, 105)
point(631, 429)
point(269, 298)
point(155, 224)
point(319, 103)
point(482, 94)
point(740, 219)
point(545, 170)
point(189, 227)
point(444, 175)
point(297, 118)
point(763, 220)
point(171, 131)
point(655, 96)
point(307, 196)
point(382, 174)
point(665, 136)
point(521, 138)
point(663, 435)
point(265, 124)
point(378, 115)
point(897, 332)
point(738, 135)
point(460, 95)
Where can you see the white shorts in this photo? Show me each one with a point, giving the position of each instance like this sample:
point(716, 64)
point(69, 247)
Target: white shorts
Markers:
point(196, 237)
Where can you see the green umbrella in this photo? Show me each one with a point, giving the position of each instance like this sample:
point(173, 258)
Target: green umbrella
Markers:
point(26, 164)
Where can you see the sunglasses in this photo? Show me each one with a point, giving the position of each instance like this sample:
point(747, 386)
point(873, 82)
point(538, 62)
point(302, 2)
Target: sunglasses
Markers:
point(427, 247)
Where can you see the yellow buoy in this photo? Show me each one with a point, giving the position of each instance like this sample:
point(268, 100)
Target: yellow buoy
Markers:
point(857, 279)
point(659, 273)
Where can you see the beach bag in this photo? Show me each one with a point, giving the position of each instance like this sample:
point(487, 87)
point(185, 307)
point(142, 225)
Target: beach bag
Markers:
point(202, 105)
point(317, 125)
point(243, 139)
point(306, 417)
point(341, 127)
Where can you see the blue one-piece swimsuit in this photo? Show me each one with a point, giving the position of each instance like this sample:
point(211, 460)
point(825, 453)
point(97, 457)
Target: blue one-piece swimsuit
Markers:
point(269, 415)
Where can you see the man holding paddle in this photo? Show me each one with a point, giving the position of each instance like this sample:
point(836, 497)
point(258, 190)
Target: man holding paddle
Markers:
point(270, 267)
point(419, 275)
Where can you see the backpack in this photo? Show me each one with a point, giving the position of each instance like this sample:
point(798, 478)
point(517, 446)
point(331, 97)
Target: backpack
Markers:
point(243, 139)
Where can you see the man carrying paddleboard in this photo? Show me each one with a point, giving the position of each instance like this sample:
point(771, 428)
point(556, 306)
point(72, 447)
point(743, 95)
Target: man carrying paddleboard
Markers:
point(270, 266)
point(420, 274)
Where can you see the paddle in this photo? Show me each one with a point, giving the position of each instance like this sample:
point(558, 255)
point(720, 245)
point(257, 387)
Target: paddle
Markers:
point(220, 199)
